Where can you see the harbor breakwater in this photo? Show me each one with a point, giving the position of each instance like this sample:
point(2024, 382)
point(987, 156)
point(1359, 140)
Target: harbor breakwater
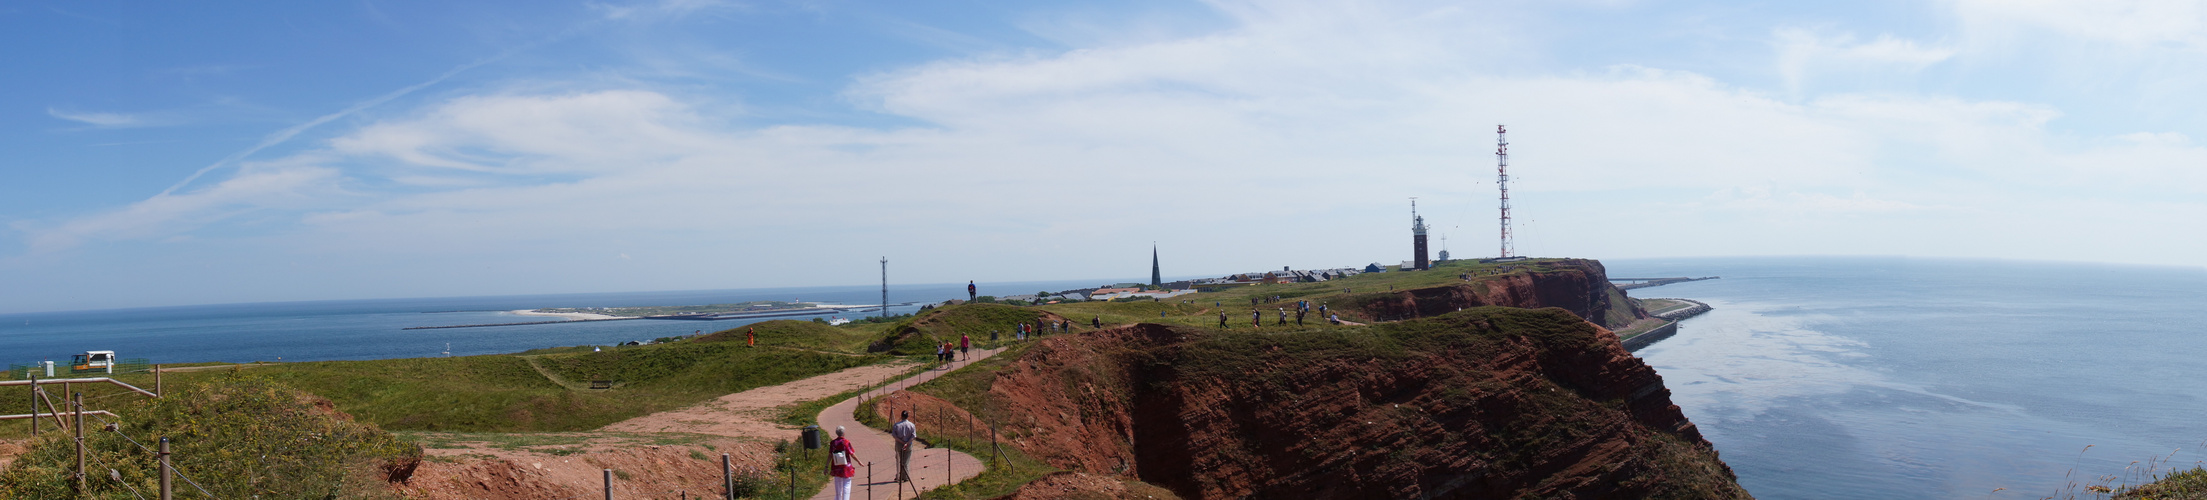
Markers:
point(1675, 316)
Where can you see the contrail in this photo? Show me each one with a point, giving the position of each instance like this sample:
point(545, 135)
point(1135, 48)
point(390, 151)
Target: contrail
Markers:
point(286, 134)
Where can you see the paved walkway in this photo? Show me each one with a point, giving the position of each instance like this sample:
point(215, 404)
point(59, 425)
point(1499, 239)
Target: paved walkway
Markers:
point(931, 467)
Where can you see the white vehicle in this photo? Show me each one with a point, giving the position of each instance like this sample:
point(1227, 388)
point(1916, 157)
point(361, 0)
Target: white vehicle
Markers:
point(93, 361)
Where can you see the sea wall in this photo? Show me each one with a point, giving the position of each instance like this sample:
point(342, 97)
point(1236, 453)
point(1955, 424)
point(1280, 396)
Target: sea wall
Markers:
point(1650, 337)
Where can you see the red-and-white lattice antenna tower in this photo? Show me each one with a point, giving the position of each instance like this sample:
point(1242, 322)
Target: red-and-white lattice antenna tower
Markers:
point(1502, 170)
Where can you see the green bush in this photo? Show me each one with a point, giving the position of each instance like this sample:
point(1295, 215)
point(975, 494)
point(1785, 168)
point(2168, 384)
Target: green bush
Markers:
point(239, 436)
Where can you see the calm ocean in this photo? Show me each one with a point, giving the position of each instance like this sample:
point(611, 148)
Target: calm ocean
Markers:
point(375, 329)
point(1921, 378)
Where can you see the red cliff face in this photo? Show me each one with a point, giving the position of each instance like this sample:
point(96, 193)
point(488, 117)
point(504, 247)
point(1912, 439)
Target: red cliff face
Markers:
point(1484, 403)
point(1576, 285)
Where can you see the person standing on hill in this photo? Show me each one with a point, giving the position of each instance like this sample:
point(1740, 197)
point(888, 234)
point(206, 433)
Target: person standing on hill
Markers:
point(842, 464)
point(751, 337)
point(1222, 319)
point(1283, 317)
point(1298, 317)
point(973, 293)
point(1256, 318)
point(904, 432)
point(1095, 322)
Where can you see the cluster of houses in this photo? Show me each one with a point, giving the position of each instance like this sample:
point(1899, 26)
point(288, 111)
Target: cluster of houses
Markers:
point(1288, 275)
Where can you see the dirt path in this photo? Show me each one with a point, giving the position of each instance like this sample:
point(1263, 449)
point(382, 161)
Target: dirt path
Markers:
point(931, 467)
point(751, 413)
point(661, 455)
point(554, 377)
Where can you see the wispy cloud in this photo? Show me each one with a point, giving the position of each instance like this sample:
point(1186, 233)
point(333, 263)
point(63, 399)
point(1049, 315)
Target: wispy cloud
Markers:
point(1803, 53)
point(281, 136)
point(107, 120)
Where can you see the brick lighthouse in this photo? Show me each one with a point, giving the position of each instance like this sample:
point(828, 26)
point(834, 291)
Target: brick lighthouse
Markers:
point(1417, 237)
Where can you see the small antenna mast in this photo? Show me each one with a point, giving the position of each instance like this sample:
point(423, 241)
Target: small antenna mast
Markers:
point(885, 287)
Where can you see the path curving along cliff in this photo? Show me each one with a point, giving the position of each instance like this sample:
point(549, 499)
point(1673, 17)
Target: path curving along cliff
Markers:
point(1488, 402)
point(931, 467)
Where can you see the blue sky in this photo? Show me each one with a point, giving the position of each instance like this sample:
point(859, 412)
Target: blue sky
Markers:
point(158, 154)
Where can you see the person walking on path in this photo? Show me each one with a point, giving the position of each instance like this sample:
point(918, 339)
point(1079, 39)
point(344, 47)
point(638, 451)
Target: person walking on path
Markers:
point(904, 432)
point(1283, 318)
point(1222, 320)
point(842, 464)
point(965, 346)
point(1298, 317)
point(973, 293)
point(1256, 318)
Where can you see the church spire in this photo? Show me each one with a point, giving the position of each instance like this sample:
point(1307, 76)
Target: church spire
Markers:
point(1155, 278)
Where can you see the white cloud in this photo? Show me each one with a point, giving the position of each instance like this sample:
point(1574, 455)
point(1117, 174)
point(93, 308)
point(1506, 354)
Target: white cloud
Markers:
point(263, 186)
point(1803, 54)
point(2131, 22)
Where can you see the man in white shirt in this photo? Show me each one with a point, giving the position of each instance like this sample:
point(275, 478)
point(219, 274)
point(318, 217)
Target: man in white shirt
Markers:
point(905, 432)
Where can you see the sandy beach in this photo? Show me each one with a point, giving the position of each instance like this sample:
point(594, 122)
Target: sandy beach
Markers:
point(533, 312)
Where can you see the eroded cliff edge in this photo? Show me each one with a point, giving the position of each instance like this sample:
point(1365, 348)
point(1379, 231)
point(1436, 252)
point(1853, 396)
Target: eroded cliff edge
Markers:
point(1488, 402)
point(1580, 286)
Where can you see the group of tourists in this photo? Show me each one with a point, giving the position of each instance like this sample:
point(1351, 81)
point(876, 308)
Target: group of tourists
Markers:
point(1302, 310)
point(950, 352)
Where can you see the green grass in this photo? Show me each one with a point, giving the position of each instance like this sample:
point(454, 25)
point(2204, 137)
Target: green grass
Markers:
point(799, 335)
point(920, 334)
point(505, 393)
point(239, 436)
point(2180, 485)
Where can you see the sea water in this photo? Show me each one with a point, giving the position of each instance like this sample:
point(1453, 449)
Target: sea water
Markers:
point(377, 329)
point(1921, 378)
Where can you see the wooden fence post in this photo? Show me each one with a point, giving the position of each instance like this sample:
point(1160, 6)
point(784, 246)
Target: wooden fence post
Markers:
point(77, 404)
point(166, 470)
point(34, 406)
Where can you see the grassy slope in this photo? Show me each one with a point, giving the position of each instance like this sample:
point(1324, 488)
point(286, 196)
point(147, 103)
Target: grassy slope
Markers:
point(920, 334)
point(505, 393)
point(241, 436)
